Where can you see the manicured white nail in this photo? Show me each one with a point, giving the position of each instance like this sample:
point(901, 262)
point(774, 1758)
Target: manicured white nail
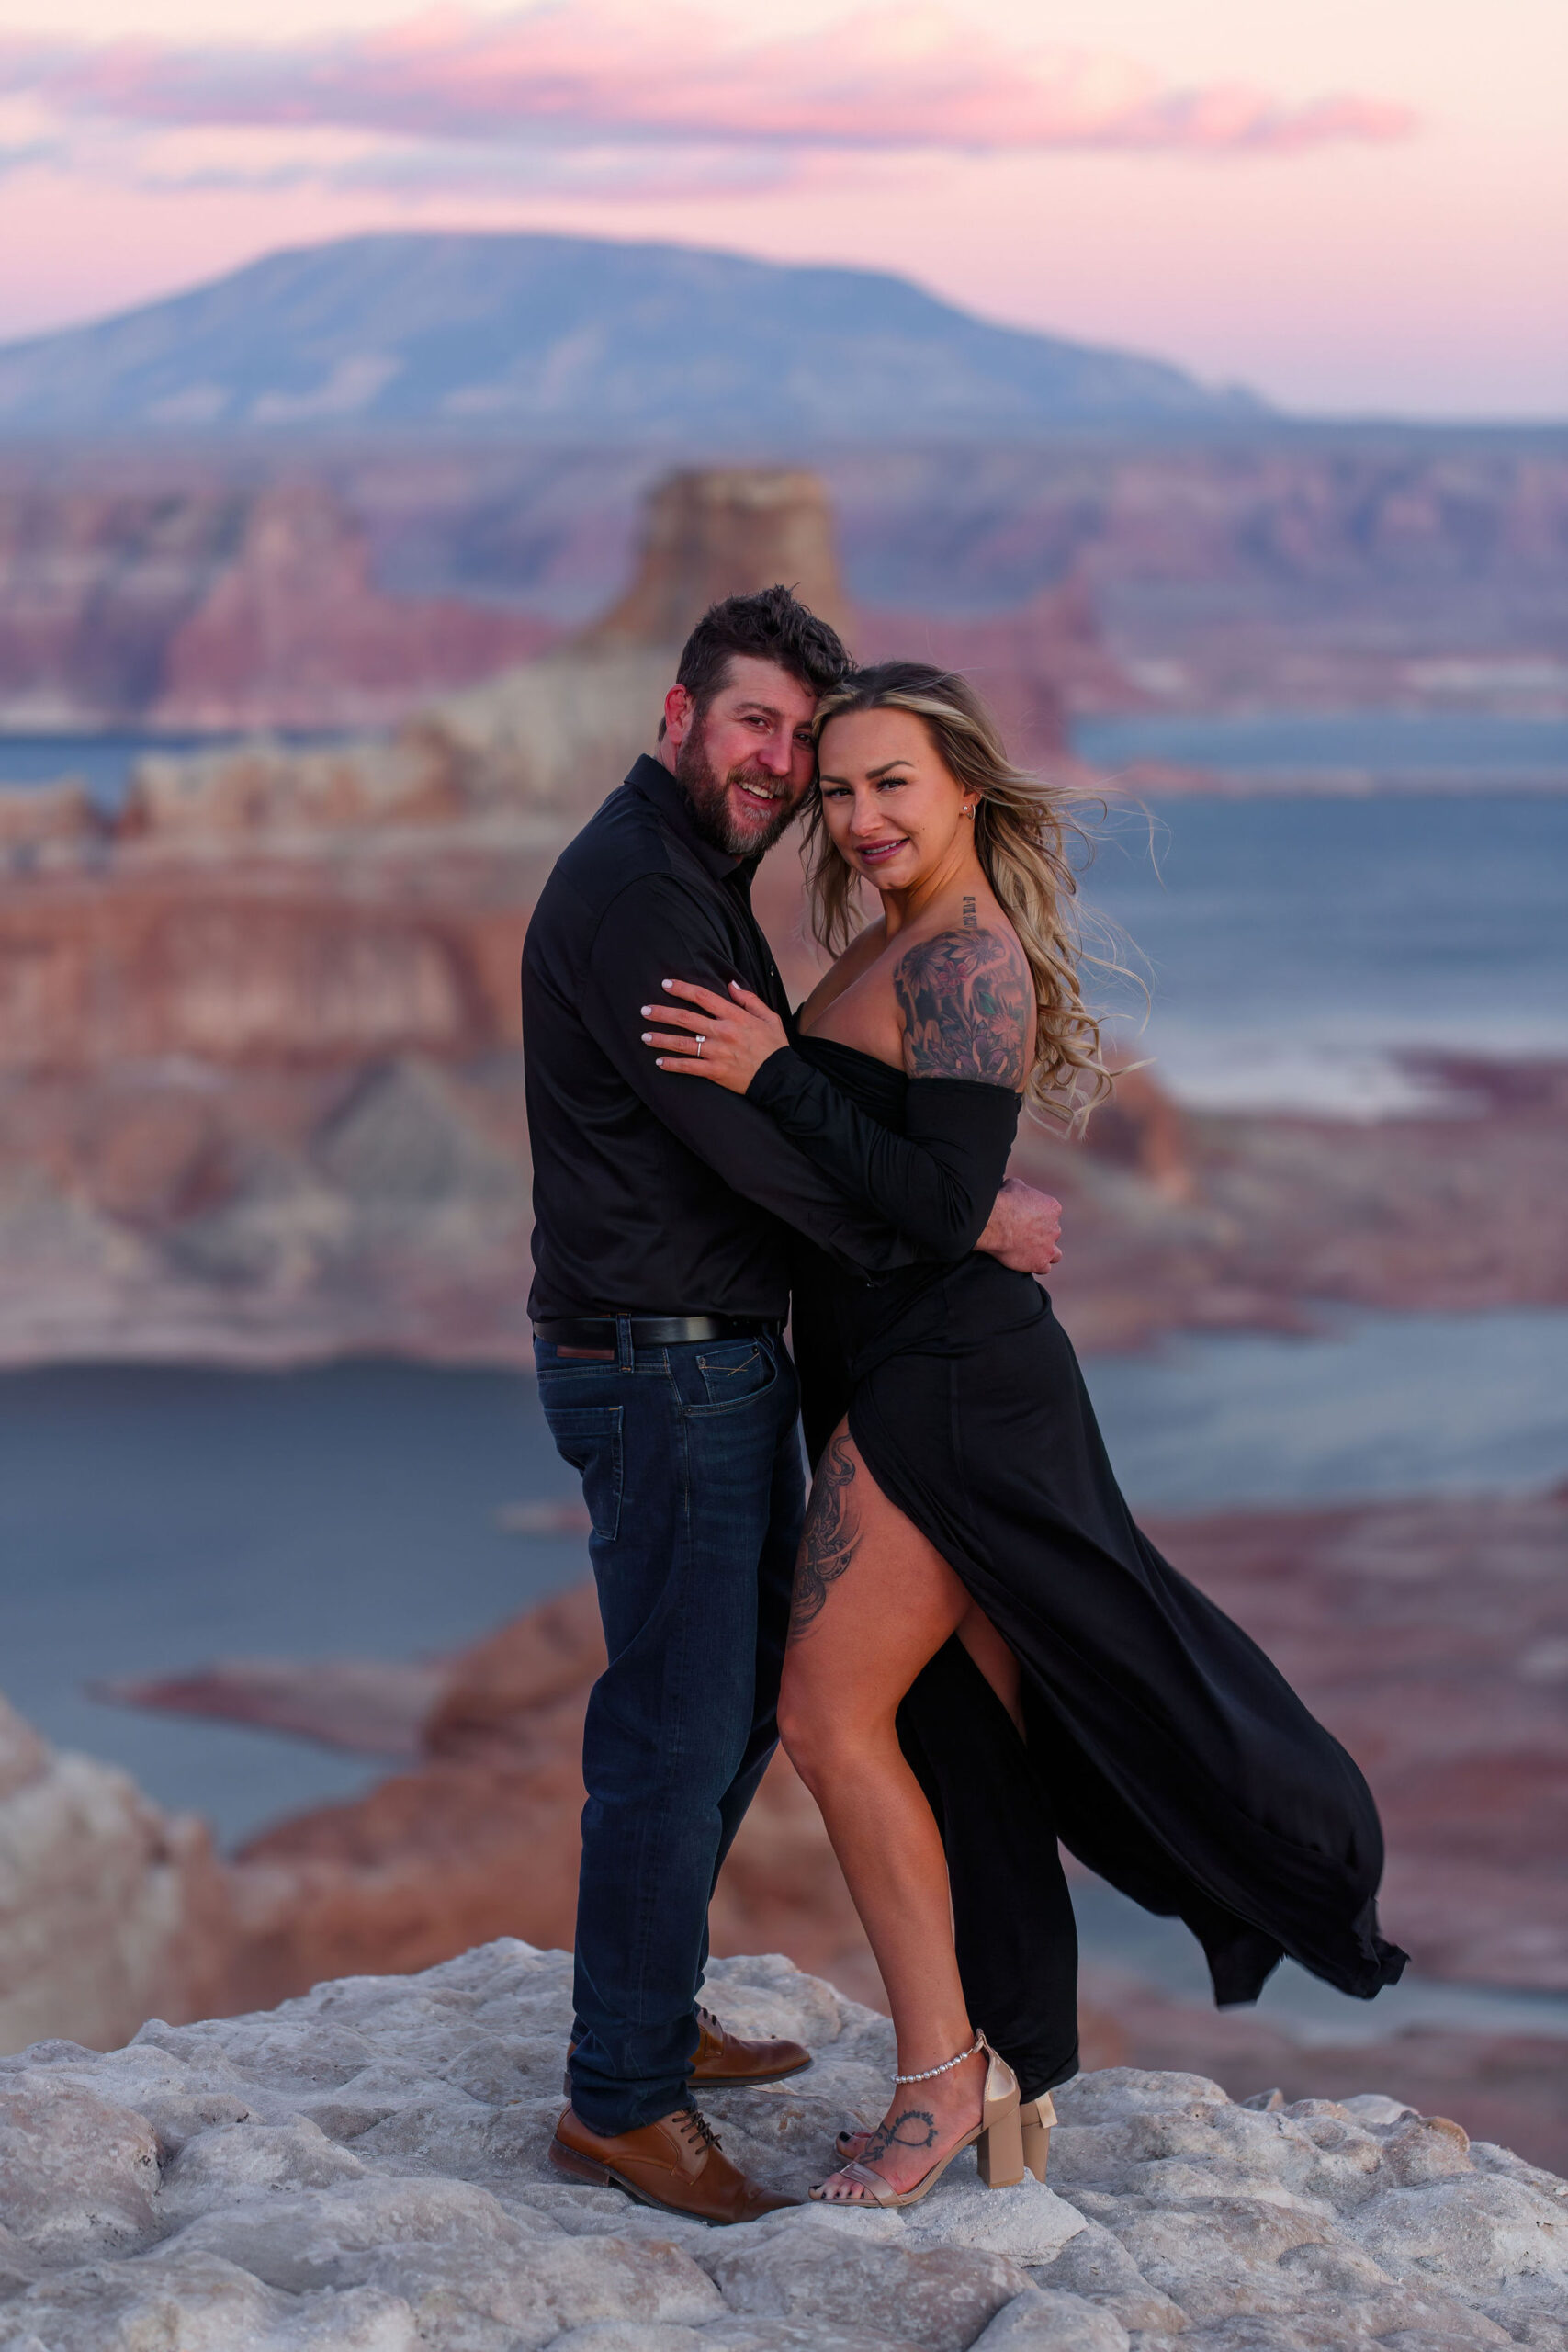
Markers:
point(648, 1037)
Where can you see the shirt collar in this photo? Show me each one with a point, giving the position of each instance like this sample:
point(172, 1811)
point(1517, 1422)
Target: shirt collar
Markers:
point(654, 781)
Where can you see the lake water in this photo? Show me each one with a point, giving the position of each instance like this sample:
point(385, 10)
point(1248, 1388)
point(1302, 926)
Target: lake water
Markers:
point(1346, 750)
point(1268, 751)
point(104, 763)
point(1299, 948)
point(1300, 951)
point(153, 1519)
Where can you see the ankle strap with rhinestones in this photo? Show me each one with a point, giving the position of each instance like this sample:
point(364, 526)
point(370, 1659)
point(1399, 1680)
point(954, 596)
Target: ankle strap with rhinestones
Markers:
point(947, 2064)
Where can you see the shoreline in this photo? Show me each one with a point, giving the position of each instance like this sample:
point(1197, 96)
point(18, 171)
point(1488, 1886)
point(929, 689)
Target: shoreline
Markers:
point(188, 1347)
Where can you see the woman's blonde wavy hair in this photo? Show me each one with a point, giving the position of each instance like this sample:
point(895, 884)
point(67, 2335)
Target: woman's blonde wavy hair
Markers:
point(1023, 830)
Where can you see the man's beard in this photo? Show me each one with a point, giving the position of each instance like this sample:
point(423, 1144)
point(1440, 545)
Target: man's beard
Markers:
point(707, 797)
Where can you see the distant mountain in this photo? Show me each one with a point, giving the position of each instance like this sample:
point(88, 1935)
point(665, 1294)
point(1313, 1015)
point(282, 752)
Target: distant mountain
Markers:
point(574, 338)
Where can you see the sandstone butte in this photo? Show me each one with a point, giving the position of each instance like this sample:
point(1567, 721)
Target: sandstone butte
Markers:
point(260, 1064)
point(362, 2170)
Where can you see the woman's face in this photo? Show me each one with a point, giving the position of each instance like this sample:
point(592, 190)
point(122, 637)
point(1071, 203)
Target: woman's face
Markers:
point(895, 812)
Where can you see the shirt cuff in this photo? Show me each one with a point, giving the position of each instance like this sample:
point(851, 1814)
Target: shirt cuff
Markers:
point(778, 1082)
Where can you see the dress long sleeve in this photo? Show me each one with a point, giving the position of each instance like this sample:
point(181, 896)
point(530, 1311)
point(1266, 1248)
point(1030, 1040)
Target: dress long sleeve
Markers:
point(935, 1183)
point(657, 926)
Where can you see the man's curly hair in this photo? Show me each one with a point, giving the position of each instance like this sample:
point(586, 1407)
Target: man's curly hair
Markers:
point(771, 626)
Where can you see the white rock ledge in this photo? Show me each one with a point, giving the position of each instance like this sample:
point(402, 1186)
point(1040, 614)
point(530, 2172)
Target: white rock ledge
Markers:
point(364, 2171)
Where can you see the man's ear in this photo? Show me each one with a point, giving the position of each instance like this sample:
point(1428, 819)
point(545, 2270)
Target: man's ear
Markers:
point(678, 709)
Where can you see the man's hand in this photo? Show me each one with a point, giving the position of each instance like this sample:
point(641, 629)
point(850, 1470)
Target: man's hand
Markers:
point(1024, 1229)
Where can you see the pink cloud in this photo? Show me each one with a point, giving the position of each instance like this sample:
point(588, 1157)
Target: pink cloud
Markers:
point(585, 71)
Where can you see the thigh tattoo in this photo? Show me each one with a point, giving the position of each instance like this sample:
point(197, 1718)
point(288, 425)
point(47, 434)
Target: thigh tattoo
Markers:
point(827, 1545)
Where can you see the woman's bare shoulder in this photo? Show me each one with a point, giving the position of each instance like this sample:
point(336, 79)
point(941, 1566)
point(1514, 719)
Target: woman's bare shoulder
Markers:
point(965, 995)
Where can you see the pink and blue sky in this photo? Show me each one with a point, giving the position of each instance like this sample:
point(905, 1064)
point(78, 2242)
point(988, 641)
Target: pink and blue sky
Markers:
point(1351, 205)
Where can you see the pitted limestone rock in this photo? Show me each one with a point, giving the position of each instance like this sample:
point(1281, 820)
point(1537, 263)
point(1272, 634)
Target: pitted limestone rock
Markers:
point(364, 2170)
point(1030, 2222)
point(933, 2297)
point(1097, 2267)
point(1042, 2319)
point(78, 2172)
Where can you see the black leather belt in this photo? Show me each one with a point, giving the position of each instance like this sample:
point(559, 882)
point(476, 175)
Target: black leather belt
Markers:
point(650, 1331)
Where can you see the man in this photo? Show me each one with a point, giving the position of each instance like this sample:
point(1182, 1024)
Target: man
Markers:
point(662, 1215)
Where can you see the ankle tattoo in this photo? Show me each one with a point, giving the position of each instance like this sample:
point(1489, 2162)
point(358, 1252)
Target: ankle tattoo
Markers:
point(913, 2127)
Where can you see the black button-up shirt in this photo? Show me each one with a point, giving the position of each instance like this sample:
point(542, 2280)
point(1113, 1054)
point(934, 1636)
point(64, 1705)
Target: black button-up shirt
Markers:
point(657, 1195)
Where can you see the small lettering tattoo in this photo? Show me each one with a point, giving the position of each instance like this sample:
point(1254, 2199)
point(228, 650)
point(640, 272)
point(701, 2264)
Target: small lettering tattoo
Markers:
point(913, 2127)
point(971, 915)
point(967, 998)
point(827, 1545)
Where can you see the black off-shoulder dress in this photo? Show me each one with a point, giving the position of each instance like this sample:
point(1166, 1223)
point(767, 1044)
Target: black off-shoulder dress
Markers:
point(1164, 1748)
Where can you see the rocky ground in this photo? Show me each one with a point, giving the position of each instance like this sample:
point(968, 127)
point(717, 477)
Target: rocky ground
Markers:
point(1507, 2087)
point(363, 2171)
point(1177, 1218)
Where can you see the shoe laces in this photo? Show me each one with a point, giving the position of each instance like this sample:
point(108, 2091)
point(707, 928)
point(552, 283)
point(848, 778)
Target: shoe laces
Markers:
point(694, 2121)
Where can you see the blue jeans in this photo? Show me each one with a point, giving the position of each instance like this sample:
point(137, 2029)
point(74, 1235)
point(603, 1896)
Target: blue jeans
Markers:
point(691, 1467)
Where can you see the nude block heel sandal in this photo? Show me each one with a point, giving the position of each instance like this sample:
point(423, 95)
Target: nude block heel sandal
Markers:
point(1037, 2117)
point(998, 2152)
point(1035, 2120)
point(997, 2139)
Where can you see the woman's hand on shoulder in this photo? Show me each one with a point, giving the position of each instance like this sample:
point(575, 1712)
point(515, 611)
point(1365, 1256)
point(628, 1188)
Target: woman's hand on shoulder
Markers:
point(967, 1000)
point(726, 1038)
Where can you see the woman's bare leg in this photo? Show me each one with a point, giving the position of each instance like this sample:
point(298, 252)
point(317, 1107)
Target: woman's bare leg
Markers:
point(873, 1601)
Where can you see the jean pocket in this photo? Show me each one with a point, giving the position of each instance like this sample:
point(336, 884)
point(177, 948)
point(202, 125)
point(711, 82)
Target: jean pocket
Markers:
point(588, 1437)
point(736, 1372)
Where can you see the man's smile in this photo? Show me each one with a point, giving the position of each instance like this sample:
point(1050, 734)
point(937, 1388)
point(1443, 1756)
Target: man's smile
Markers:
point(765, 794)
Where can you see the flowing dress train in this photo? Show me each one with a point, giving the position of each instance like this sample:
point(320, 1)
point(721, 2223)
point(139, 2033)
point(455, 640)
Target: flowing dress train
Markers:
point(1165, 1749)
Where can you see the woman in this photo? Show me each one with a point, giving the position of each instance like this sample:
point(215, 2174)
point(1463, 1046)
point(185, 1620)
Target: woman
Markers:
point(964, 1491)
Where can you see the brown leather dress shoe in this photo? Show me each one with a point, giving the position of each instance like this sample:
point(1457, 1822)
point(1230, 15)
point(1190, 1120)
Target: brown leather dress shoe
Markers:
point(726, 2058)
point(675, 2164)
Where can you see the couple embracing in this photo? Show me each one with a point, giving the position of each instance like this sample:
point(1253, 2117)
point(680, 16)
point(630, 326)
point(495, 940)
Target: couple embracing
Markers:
point(966, 1644)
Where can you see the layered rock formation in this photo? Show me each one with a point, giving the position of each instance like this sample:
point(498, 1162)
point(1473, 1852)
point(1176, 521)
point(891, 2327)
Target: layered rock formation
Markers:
point(1183, 1218)
point(481, 1839)
point(109, 1909)
point(1336, 570)
point(261, 1072)
point(1326, 568)
point(1329, 568)
point(217, 602)
point(364, 2170)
